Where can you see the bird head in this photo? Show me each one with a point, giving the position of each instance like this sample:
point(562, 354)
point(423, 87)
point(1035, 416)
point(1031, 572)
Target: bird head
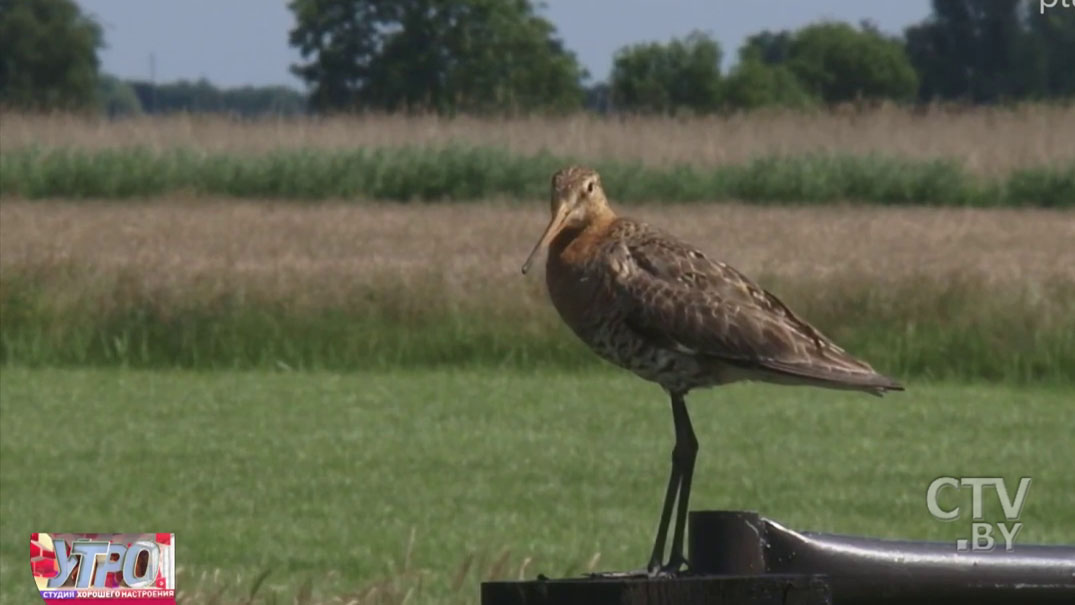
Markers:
point(576, 200)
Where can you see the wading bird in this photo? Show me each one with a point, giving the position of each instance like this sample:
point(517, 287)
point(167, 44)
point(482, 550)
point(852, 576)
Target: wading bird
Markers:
point(654, 305)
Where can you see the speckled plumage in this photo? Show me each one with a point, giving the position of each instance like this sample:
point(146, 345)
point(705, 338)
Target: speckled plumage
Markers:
point(661, 308)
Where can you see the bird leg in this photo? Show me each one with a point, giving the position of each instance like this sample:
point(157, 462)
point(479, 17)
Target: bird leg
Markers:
point(654, 567)
point(679, 487)
point(684, 454)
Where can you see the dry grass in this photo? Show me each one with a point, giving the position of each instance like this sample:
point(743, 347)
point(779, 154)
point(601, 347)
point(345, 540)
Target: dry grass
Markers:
point(322, 255)
point(988, 140)
point(967, 293)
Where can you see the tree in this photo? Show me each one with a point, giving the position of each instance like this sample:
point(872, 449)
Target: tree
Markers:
point(771, 48)
point(966, 49)
point(753, 84)
point(202, 96)
point(993, 50)
point(654, 77)
point(48, 55)
point(841, 63)
point(116, 97)
point(443, 55)
point(1051, 45)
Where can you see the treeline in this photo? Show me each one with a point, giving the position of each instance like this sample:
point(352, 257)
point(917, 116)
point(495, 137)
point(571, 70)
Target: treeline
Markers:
point(48, 60)
point(500, 56)
point(131, 97)
point(483, 55)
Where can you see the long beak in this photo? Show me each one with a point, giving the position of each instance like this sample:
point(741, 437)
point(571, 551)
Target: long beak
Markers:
point(554, 227)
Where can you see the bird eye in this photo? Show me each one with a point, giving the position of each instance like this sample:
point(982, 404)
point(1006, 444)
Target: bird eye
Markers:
point(589, 187)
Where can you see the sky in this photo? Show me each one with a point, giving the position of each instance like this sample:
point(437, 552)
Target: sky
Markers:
point(240, 42)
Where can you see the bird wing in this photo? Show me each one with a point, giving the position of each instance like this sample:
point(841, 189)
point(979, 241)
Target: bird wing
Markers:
point(678, 297)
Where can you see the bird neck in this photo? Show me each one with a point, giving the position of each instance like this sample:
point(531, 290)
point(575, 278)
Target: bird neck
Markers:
point(574, 244)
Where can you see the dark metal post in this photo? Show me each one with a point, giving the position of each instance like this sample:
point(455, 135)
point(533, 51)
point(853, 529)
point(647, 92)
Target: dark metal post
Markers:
point(871, 570)
point(774, 589)
point(745, 558)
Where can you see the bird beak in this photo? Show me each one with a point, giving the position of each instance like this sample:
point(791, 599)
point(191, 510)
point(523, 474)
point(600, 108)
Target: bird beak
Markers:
point(554, 227)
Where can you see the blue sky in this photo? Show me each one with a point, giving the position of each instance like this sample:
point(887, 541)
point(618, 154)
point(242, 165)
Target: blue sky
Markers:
point(237, 42)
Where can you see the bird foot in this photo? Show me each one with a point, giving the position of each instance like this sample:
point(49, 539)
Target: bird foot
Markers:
point(619, 575)
point(677, 567)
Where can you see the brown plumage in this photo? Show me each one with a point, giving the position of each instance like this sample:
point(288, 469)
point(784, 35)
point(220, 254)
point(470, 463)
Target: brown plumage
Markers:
point(661, 308)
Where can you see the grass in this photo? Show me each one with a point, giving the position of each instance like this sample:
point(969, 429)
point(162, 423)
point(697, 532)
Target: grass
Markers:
point(323, 477)
point(473, 173)
point(1006, 341)
point(940, 156)
point(450, 430)
point(967, 294)
point(990, 141)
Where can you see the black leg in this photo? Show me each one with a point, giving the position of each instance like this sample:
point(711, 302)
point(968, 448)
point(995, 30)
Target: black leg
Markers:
point(666, 516)
point(684, 454)
point(679, 489)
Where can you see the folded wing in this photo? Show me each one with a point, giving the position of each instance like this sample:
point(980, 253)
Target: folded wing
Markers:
point(681, 299)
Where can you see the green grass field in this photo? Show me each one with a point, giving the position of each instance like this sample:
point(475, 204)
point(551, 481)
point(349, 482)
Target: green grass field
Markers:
point(474, 173)
point(323, 477)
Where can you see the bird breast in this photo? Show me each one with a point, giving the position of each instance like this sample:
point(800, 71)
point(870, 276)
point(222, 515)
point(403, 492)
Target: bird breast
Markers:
point(580, 297)
point(577, 286)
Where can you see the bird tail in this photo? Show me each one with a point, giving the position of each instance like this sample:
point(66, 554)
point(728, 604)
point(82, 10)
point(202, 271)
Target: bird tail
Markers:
point(867, 381)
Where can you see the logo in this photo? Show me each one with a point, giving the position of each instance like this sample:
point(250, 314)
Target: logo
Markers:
point(105, 568)
point(1044, 4)
point(981, 531)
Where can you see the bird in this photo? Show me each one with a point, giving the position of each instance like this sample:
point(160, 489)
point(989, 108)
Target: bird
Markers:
point(661, 308)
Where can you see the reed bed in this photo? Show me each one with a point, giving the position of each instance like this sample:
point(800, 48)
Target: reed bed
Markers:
point(988, 141)
point(931, 292)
